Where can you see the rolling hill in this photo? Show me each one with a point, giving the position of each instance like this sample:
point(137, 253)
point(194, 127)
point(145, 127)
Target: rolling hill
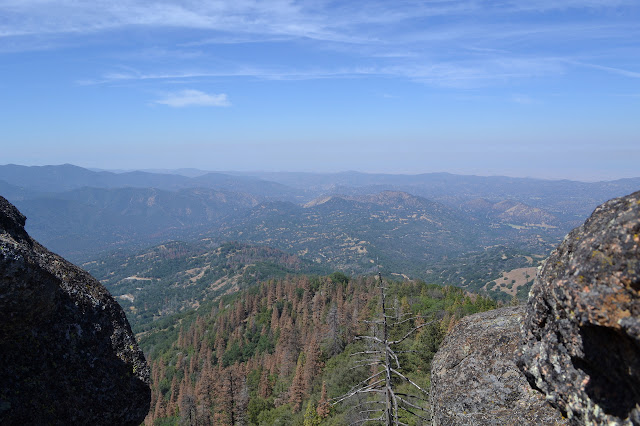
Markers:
point(175, 276)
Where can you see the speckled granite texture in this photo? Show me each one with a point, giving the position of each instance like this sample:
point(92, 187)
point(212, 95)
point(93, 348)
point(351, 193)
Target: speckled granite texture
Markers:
point(475, 380)
point(582, 323)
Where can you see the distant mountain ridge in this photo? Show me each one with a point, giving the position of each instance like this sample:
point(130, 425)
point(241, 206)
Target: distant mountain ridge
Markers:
point(68, 177)
point(389, 197)
point(566, 199)
point(87, 221)
point(437, 226)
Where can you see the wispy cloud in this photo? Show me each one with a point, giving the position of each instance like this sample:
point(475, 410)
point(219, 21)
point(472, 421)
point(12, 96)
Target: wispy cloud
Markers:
point(454, 43)
point(550, 5)
point(613, 70)
point(251, 72)
point(29, 17)
point(461, 74)
point(189, 97)
point(315, 20)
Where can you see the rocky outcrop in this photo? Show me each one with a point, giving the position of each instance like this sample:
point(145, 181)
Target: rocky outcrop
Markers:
point(475, 380)
point(580, 336)
point(67, 353)
point(582, 324)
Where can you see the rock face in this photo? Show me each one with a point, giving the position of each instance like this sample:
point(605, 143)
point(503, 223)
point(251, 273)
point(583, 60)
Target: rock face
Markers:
point(475, 379)
point(582, 324)
point(67, 353)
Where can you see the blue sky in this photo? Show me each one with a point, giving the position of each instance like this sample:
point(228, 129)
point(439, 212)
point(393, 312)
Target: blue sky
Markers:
point(536, 88)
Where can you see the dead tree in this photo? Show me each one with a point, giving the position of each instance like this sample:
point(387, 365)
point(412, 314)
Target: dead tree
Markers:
point(382, 357)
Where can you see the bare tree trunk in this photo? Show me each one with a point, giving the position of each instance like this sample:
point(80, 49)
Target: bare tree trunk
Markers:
point(387, 361)
point(385, 356)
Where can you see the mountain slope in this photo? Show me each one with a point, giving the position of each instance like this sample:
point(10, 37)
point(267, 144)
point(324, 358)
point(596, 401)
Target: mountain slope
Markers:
point(352, 232)
point(175, 276)
point(86, 222)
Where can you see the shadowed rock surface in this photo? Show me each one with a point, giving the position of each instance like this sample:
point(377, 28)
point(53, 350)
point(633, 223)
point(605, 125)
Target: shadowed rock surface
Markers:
point(582, 323)
point(67, 353)
point(475, 379)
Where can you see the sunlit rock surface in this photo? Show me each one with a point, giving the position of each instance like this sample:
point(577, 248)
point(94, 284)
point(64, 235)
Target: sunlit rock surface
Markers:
point(475, 380)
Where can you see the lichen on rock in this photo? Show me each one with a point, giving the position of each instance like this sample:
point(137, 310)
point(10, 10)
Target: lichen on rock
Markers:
point(582, 324)
point(67, 353)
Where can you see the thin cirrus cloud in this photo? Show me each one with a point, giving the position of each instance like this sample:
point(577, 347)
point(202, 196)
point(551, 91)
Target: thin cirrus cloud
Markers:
point(29, 17)
point(319, 21)
point(194, 98)
point(445, 73)
point(456, 43)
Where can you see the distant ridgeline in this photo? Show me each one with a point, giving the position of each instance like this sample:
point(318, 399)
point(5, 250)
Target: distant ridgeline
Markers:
point(482, 233)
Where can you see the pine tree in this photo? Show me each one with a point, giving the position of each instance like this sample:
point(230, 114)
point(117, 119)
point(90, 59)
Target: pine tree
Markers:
point(324, 407)
point(204, 392)
point(187, 404)
point(275, 317)
point(334, 339)
point(311, 418)
point(297, 390)
point(241, 400)
point(312, 363)
point(264, 388)
point(224, 410)
point(160, 407)
point(172, 405)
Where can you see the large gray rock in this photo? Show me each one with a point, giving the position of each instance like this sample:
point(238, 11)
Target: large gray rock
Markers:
point(475, 380)
point(67, 353)
point(582, 324)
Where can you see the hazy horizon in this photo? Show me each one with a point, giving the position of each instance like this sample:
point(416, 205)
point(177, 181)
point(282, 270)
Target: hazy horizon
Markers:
point(193, 172)
point(539, 89)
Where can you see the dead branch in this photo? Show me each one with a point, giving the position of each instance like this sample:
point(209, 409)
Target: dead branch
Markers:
point(412, 405)
point(417, 415)
point(413, 330)
point(396, 372)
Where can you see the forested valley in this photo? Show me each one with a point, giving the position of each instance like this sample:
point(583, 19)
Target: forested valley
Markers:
point(281, 352)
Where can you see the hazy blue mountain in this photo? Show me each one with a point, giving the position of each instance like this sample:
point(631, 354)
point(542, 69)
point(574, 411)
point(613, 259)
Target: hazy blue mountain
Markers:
point(568, 200)
point(14, 192)
point(188, 172)
point(85, 222)
point(51, 178)
point(247, 184)
point(68, 177)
